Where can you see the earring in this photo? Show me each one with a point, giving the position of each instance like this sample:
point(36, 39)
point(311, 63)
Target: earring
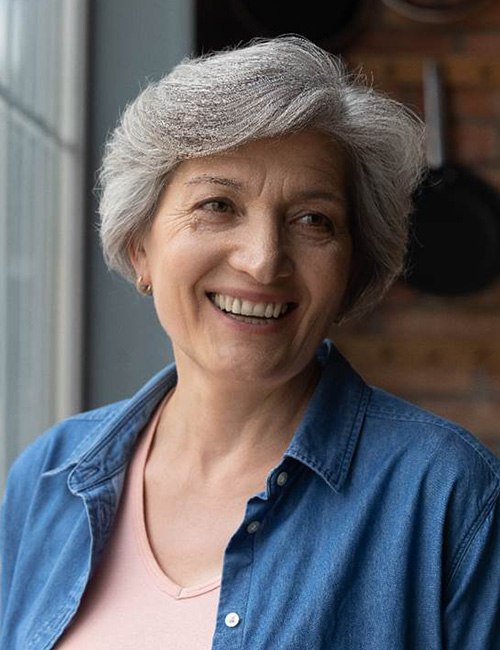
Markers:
point(146, 288)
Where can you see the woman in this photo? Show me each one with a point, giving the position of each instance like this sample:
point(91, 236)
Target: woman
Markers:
point(258, 494)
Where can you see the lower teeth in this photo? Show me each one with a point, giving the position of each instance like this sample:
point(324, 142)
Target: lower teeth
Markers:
point(249, 319)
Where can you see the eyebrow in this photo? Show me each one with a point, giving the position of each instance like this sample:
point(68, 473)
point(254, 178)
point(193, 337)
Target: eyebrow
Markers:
point(215, 180)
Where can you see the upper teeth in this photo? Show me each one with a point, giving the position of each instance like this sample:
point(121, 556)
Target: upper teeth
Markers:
point(247, 308)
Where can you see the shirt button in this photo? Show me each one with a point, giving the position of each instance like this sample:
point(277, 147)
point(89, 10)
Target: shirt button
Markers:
point(253, 527)
point(232, 619)
point(282, 479)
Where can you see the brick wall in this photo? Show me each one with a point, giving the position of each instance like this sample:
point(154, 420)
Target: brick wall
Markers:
point(442, 353)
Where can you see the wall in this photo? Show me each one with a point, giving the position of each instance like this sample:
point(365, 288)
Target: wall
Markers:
point(442, 353)
point(131, 43)
point(42, 82)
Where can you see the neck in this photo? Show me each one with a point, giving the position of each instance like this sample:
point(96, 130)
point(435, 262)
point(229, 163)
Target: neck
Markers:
point(210, 421)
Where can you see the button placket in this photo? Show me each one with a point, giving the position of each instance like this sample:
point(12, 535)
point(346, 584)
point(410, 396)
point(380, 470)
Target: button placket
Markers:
point(236, 578)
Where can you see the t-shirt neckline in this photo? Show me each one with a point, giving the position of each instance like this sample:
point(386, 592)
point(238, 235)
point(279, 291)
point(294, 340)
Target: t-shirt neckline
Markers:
point(155, 571)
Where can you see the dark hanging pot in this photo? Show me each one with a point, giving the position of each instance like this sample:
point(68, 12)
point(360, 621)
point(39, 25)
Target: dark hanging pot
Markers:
point(332, 25)
point(436, 11)
point(455, 243)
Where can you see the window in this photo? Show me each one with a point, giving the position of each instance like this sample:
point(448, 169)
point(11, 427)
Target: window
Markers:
point(42, 107)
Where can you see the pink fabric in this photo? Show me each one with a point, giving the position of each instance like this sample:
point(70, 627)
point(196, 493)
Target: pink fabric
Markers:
point(130, 604)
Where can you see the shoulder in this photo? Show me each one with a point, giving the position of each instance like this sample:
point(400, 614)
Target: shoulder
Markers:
point(70, 441)
point(37, 480)
point(428, 434)
point(64, 443)
point(440, 465)
point(446, 479)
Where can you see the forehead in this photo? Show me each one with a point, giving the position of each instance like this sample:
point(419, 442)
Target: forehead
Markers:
point(305, 157)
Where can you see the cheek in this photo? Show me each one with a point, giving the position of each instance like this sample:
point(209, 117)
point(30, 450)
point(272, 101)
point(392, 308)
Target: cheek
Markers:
point(329, 281)
point(178, 275)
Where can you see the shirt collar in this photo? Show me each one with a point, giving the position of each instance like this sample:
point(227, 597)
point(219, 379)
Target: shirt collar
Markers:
point(326, 439)
point(104, 455)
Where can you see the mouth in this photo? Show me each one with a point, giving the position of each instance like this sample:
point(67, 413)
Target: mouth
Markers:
point(248, 311)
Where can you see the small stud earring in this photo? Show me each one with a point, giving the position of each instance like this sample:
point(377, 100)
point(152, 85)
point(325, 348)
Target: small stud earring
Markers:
point(146, 288)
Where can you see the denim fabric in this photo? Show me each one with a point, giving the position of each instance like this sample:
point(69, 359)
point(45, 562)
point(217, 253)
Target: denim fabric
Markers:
point(382, 535)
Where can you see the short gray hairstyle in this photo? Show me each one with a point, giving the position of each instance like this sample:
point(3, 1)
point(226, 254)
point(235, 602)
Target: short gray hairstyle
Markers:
point(268, 88)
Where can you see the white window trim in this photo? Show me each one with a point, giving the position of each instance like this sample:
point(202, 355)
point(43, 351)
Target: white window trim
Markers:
point(67, 324)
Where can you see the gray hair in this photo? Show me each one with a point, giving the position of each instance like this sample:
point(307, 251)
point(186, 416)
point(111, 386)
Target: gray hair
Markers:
point(268, 88)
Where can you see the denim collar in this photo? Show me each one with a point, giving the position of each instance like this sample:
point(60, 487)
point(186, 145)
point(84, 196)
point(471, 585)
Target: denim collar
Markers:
point(324, 441)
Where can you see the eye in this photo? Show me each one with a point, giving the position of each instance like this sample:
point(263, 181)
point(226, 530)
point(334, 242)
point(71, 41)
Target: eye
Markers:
point(316, 221)
point(215, 205)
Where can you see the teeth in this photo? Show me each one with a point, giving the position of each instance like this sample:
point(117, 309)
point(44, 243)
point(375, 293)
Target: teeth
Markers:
point(247, 308)
point(269, 310)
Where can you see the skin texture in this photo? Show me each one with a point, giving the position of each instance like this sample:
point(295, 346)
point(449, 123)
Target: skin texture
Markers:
point(267, 222)
point(253, 233)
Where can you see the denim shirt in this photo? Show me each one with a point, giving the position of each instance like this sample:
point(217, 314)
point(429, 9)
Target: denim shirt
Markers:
point(379, 529)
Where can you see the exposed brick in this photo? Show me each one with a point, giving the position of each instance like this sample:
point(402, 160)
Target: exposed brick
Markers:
point(484, 15)
point(413, 383)
point(492, 382)
point(470, 70)
point(484, 301)
point(480, 417)
point(406, 69)
point(389, 72)
point(428, 42)
point(474, 143)
point(484, 43)
point(443, 353)
point(403, 297)
point(475, 102)
point(392, 19)
point(427, 352)
point(491, 440)
point(453, 323)
point(487, 15)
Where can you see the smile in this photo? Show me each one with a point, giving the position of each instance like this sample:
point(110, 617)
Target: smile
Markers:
point(247, 308)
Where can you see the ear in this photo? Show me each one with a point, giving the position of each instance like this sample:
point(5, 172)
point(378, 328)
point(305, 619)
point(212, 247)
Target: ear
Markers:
point(139, 258)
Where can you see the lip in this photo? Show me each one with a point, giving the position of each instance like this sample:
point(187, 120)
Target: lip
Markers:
point(268, 327)
point(254, 296)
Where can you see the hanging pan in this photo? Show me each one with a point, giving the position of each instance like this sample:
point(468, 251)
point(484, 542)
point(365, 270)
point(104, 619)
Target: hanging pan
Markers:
point(332, 25)
point(436, 11)
point(455, 244)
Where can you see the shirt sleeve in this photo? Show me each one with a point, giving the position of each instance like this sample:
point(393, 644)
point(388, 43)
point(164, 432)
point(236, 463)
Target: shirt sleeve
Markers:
point(472, 614)
point(21, 484)
point(5, 547)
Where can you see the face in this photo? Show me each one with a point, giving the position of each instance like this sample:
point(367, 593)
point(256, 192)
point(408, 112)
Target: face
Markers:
point(249, 256)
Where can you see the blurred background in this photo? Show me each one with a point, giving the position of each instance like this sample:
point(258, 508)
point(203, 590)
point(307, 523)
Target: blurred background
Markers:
point(74, 336)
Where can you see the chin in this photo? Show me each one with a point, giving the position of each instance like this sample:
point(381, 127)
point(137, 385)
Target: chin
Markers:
point(255, 367)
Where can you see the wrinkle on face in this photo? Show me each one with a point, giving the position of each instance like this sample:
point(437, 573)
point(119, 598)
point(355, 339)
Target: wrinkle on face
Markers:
point(256, 241)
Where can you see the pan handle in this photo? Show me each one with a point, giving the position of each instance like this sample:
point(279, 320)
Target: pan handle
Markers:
point(434, 115)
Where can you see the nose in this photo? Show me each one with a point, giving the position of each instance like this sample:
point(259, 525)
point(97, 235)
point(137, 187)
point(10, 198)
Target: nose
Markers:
point(261, 251)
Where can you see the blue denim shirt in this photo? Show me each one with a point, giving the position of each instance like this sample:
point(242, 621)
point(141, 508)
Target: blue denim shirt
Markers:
point(379, 530)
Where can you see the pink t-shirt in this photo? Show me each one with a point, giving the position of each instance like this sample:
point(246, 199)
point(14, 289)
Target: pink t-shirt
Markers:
point(130, 604)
